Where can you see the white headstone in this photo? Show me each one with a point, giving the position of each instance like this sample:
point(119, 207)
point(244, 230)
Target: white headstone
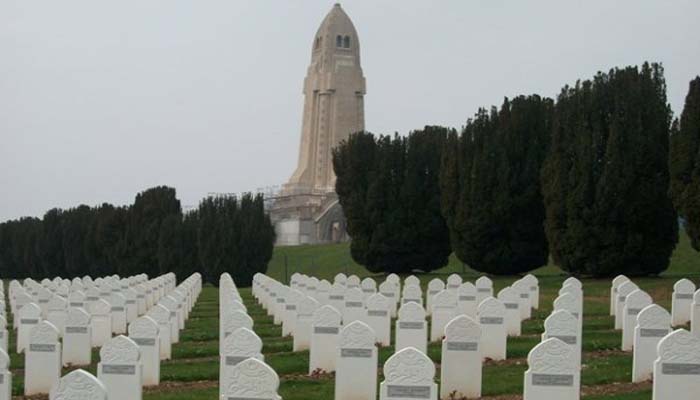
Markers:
point(522, 289)
point(144, 332)
point(412, 281)
point(252, 379)
point(336, 297)
point(239, 346)
point(435, 286)
point(118, 313)
point(511, 300)
point(653, 324)
point(119, 368)
point(454, 281)
point(634, 304)
point(484, 289)
point(57, 312)
point(325, 328)
point(695, 314)
point(411, 327)
point(412, 293)
point(29, 316)
point(552, 373)
point(683, 291)
point(161, 315)
point(561, 324)
point(616, 282)
point(77, 338)
point(80, 385)
point(3, 334)
point(571, 303)
point(368, 287)
point(352, 282)
point(408, 374)
point(289, 319)
point(5, 376)
point(444, 306)
point(623, 290)
point(534, 285)
point(460, 371)
point(100, 322)
point(492, 314)
point(354, 309)
point(677, 367)
point(302, 329)
point(42, 359)
point(356, 363)
point(378, 318)
point(390, 290)
point(340, 278)
point(466, 302)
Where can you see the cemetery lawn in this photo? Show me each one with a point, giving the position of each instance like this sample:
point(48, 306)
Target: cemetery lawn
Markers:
point(192, 374)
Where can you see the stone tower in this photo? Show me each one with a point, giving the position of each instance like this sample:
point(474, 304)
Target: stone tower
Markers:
point(307, 208)
point(334, 90)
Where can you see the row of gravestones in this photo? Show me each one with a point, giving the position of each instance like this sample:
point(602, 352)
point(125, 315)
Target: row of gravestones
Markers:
point(671, 358)
point(302, 307)
point(47, 348)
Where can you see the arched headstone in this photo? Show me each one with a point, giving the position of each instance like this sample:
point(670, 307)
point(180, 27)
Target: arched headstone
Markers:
point(239, 346)
point(409, 374)
point(677, 367)
point(561, 324)
point(653, 324)
point(290, 311)
point(552, 372)
point(144, 332)
point(42, 359)
point(390, 290)
point(444, 306)
point(353, 282)
point(5, 376)
point(492, 314)
point(175, 315)
point(79, 384)
point(412, 280)
point(369, 287)
point(323, 290)
point(435, 286)
point(616, 282)
point(252, 379)
point(56, 313)
point(682, 301)
point(411, 327)
point(336, 297)
point(534, 290)
point(161, 315)
point(511, 300)
point(119, 368)
point(522, 288)
point(3, 334)
point(466, 301)
point(695, 314)
point(634, 304)
point(29, 316)
point(379, 318)
point(412, 293)
point(340, 279)
point(302, 328)
point(325, 328)
point(460, 371)
point(570, 303)
point(622, 292)
point(77, 338)
point(454, 281)
point(100, 322)
point(484, 289)
point(118, 313)
point(354, 309)
point(356, 363)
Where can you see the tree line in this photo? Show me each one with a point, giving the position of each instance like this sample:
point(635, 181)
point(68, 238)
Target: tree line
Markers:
point(151, 236)
point(594, 180)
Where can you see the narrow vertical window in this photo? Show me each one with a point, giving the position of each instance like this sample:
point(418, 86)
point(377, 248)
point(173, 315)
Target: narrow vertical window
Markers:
point(339, 41)
point(346, 42)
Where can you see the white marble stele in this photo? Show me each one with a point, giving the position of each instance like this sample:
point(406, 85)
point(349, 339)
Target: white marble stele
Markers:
point(562, 325)
point(368, 287)
point(653, 324)
point(144, 332)
point(252, 379)
point(492, 315)
point(623, 290)
point(522, 289)
point(77, 338)
point(42, 359)
point(28, 316)
point(411, 327)
point(356, 363)
point(161, 315)
point(412, 293)
point(409, 374)
point(325, 328)
point(484, 289)
point(616, 282)
point(390, 290)
point(511, 300)
point(683, 291)
point(336, 297)
point(78, 384)
point(694, 316)
point(454, 281)
point(461, 365)
point(100, 322)
point(3, 335)
point(677, 368)
point(5, 376)
point(378, 317)
point(354, 309)
point(56, 313)
point(302, 328)
point(466, 300)
point(634, 304)
point(119, 368)
point(552, 372)
point(239, 346)
point(444, 306)
point(435, 286)
point(534, 285)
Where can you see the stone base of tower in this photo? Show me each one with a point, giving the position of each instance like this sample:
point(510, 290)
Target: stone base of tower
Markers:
point(308, 218)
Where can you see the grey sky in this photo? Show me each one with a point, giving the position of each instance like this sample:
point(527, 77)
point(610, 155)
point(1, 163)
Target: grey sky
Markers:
point(102, 99)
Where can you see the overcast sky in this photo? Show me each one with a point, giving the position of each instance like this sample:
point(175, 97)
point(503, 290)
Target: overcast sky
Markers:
point(102, 99)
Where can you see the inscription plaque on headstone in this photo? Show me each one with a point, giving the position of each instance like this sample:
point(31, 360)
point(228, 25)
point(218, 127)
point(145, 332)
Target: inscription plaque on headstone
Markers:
point(408, 392)
point(116, 369)
point(462, 346)
point(76, 329)
point(552, 380)
point(411, 325)
point(356, 353)
point(491, 320)
point(648, 332)
point(680, 369)
point(326, 330)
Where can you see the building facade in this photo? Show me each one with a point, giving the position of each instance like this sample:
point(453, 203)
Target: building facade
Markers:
point(306, 210)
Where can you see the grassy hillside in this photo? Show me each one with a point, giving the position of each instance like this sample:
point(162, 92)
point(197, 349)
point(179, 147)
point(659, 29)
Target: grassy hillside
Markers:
point(325, 261)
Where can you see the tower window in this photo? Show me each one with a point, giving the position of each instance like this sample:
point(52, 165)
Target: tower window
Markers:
point(338, 41)
point(346, 42)
point(318, 43)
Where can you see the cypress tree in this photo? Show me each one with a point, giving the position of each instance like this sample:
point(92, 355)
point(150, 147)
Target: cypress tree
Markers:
point(605, 180)
point(684, 164)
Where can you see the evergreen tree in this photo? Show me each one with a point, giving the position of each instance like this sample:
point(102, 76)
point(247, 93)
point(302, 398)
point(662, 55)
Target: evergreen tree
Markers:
point(605, 180)
point(490, 192)
point(684, 164)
